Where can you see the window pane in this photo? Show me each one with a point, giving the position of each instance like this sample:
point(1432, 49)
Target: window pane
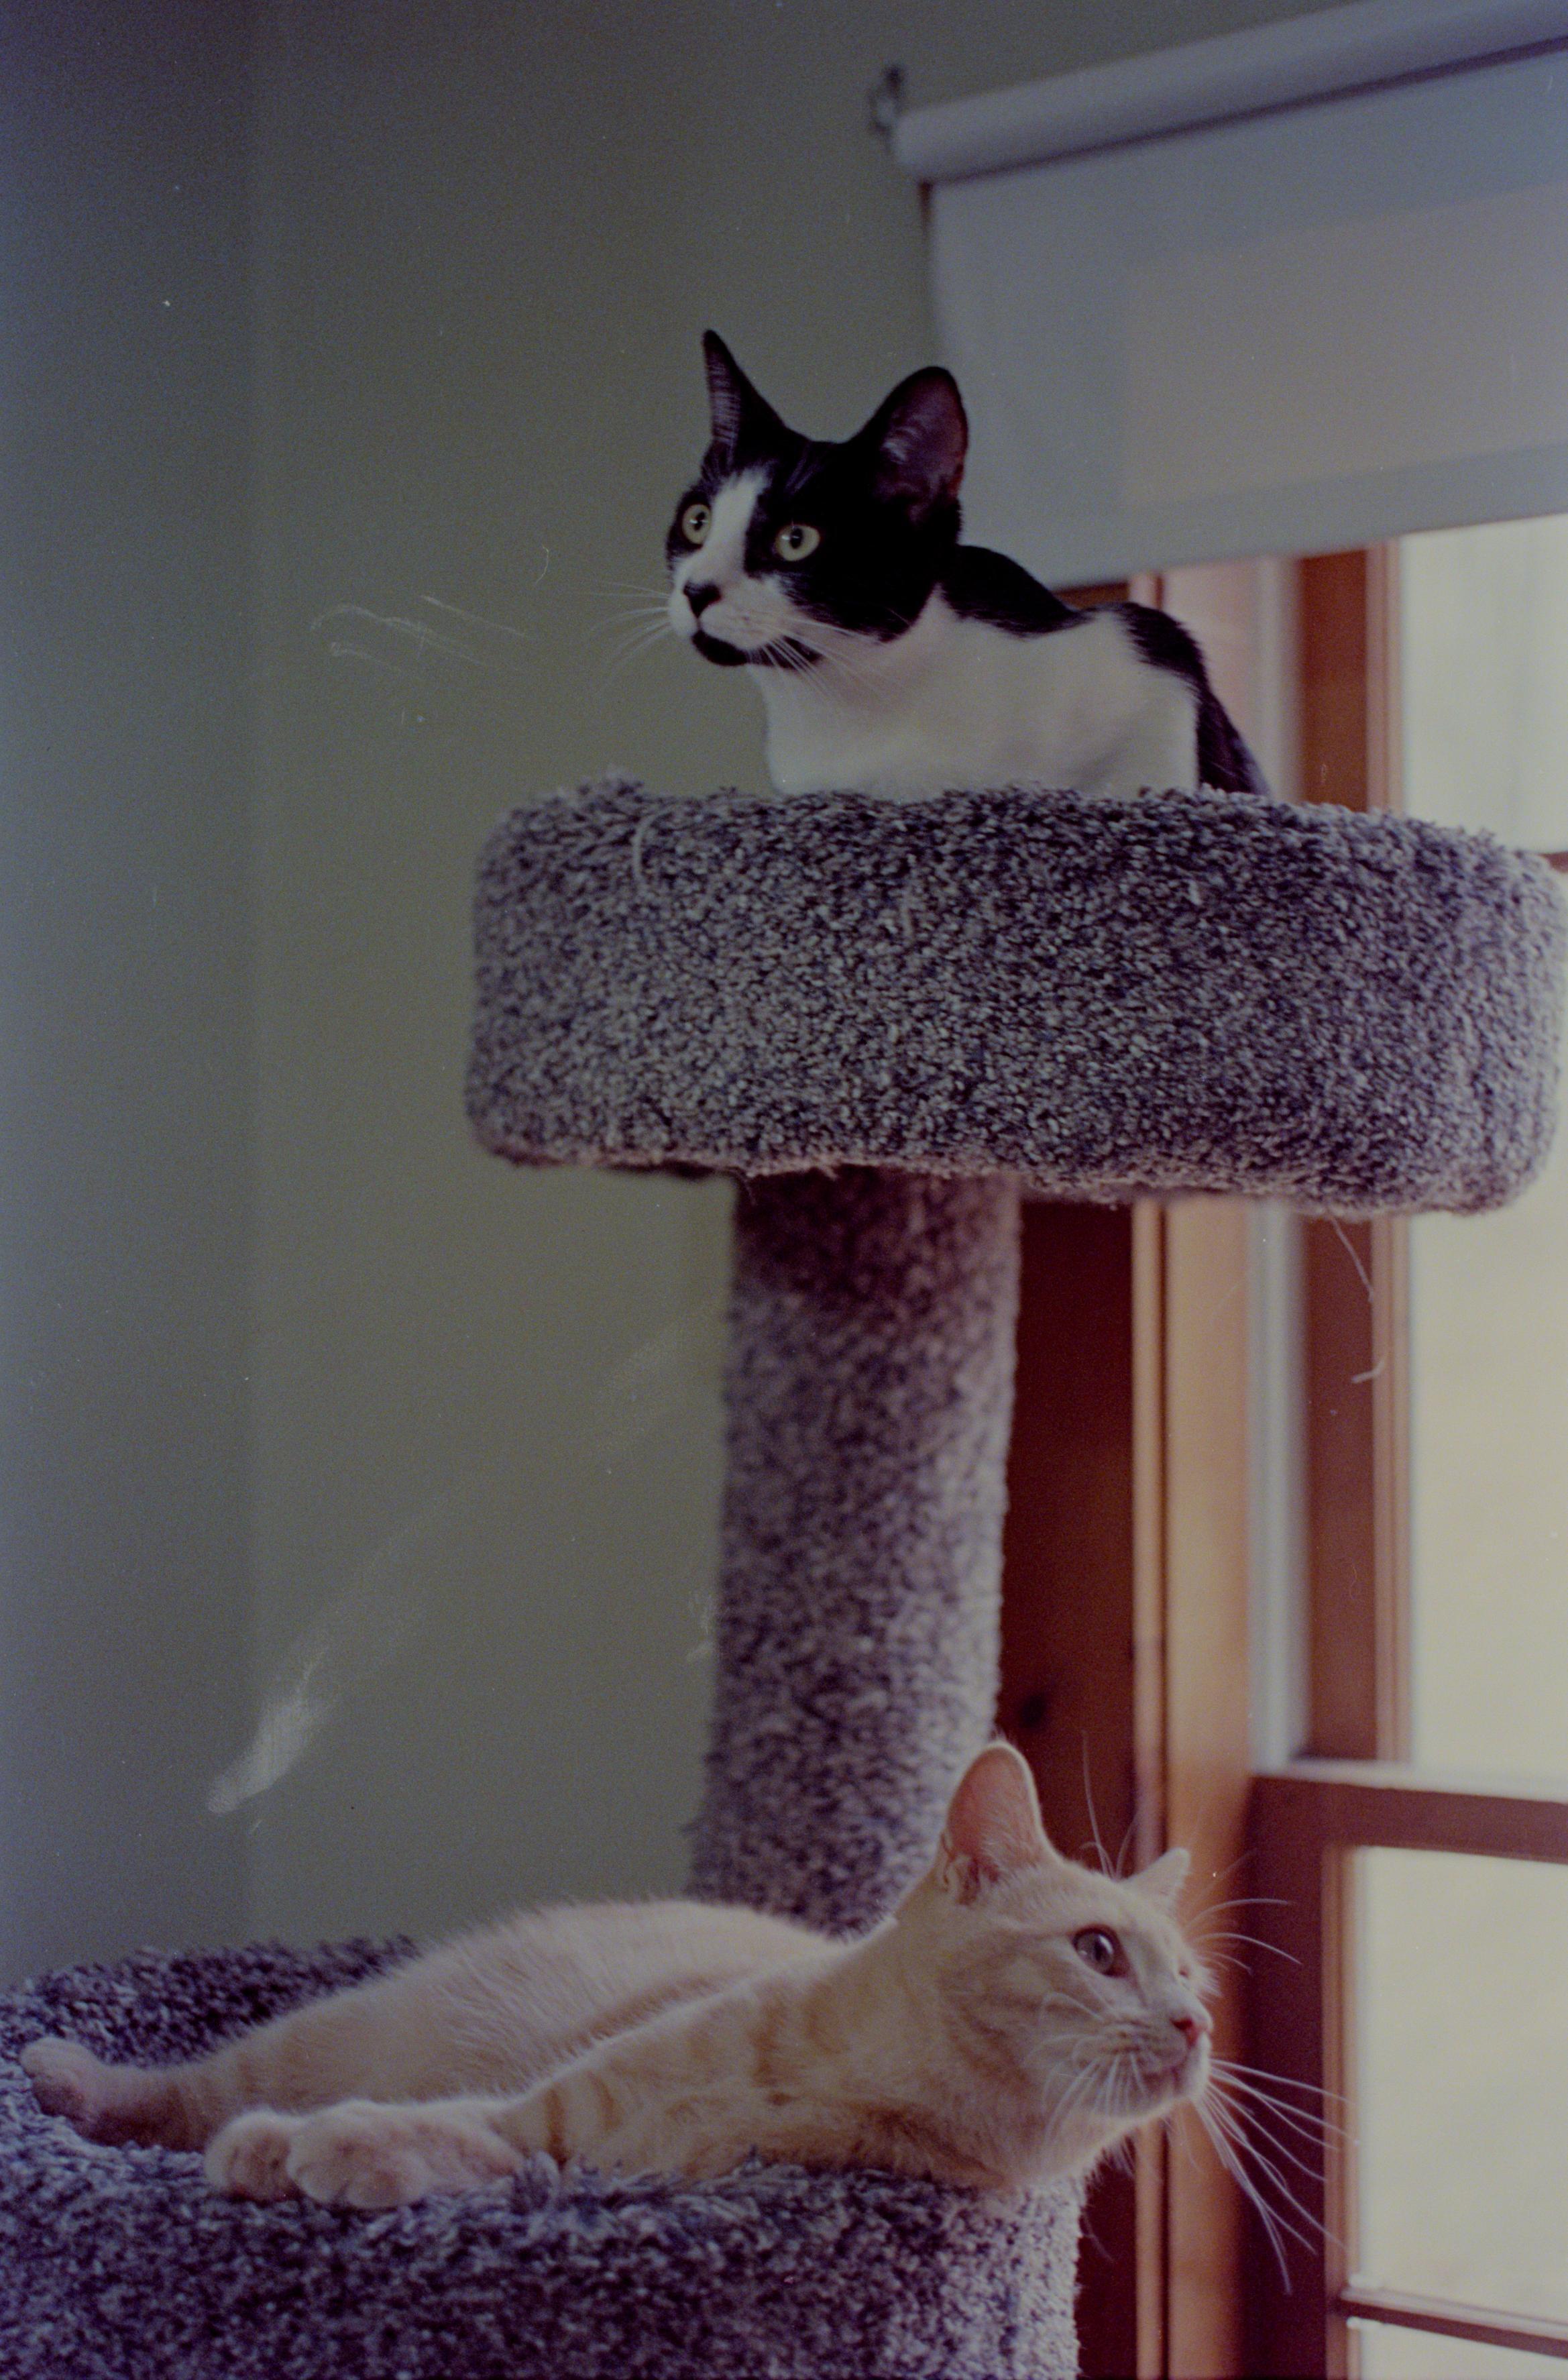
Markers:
point(1485, 701)
point(1462, 2078)
point(1391, 2353)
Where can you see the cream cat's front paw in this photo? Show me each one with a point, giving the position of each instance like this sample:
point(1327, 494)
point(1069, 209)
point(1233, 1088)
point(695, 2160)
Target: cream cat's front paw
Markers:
point(249, 2158)
point(360, 2154)
point(357, 2154)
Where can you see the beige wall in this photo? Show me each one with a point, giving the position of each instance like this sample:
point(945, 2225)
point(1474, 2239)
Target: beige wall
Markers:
point(487, 240)
point(460, 1528)
point(124, 930)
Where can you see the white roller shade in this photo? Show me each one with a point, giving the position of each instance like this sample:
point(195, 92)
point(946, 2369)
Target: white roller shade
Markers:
point(1337, 320)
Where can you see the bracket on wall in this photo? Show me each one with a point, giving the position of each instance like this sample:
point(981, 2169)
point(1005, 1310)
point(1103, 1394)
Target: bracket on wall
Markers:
point(884, 103)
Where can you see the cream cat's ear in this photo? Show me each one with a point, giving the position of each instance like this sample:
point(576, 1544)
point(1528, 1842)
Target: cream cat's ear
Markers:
point(1164, 1878)
point(993, 1824)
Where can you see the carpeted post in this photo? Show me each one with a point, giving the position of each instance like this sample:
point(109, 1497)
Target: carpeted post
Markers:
point(869, 1395)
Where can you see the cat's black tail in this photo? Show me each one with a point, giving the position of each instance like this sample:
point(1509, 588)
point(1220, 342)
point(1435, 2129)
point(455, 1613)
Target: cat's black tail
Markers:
point(1223, 760)
point(1225, 756)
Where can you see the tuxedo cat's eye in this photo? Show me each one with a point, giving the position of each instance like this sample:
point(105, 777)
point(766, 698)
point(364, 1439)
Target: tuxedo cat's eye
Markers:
point(1100, 1948)
point(696, 522)
point(794, 544)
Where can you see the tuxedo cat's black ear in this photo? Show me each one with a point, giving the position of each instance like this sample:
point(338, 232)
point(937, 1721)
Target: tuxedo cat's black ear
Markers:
point(741, 417)
point(920, 436)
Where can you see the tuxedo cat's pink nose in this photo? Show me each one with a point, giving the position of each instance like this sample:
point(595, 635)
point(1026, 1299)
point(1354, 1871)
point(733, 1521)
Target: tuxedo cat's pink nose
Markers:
point(700, 597)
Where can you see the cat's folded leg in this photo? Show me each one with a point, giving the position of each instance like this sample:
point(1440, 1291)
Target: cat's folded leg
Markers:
point(362, 2153)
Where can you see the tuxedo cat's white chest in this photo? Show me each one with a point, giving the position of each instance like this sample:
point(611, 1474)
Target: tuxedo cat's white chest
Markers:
point(956, 703)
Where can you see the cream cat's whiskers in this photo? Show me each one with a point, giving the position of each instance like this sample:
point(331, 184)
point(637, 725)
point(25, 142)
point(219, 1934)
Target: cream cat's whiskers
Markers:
point(1307, 2123)
point(1232, 2144)
point(1287, 2082)
point(1247, 2113)
point(1237, 2113)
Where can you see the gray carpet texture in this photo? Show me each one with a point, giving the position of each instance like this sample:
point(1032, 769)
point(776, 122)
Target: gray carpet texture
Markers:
point(1179, 992)
point(869, 1394)
point(121, 2264)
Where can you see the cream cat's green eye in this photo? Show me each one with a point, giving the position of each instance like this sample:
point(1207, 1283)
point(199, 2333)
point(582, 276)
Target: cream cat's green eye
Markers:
point(1100, 1948)
point(795, 542)
point(696, 522)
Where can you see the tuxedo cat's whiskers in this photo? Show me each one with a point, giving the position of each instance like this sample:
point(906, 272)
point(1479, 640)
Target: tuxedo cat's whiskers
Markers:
point(620, 636)
point(632, 631)
point(786, 653)
point(615, 669)
point(639, 614)
point(639, 611)
point(630, 603)
point(845, 666)
point(641, 640)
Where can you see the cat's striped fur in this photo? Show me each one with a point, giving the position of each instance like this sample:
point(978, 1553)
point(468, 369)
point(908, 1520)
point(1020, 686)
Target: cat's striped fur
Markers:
point(1016, 2016)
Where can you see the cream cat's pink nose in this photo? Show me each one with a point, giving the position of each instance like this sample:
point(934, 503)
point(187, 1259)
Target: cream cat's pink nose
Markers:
point(1190, 2027)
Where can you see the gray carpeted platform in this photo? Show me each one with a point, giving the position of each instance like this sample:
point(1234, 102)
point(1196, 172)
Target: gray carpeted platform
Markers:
point(1184, 991)
point(121, 2264)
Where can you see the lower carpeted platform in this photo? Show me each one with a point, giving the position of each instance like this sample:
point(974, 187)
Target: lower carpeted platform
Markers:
point(121, 2264)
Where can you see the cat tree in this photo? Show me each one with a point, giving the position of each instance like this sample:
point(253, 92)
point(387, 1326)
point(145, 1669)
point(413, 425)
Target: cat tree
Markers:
point(887, 1021)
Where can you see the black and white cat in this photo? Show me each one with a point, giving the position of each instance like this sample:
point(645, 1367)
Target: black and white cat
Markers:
point(893, 659)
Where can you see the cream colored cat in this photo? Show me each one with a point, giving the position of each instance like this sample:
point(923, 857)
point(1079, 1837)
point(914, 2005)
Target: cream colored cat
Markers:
point(1016, 2016)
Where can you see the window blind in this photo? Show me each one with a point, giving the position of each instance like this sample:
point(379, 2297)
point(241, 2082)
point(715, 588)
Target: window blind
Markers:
point(1233, 307)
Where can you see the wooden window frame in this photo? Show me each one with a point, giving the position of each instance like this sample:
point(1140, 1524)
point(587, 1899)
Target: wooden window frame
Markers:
point(1124, 1667)
point(1125, 1672)
point(1306, 1825)
point(1126, 1593)
point(1352, 1791)
point(1354, 1275)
